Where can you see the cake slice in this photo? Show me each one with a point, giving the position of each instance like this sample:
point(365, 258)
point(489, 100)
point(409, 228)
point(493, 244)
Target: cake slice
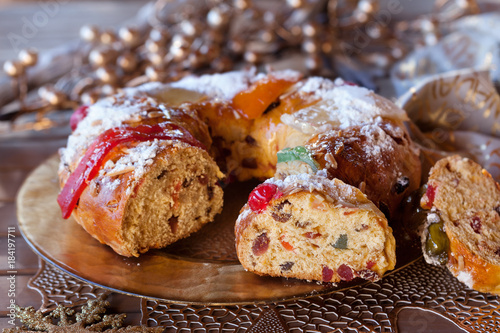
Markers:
point(463, 225)
point(310, 227)
point(137, 175)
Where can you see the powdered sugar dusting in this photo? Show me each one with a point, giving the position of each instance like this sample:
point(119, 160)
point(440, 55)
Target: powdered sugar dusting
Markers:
point(340, 106)
point(314, 84)
point(378, 142)
point(136, 160)
point(333, 190)
point(103, 115)
point(227, 85)
point(221, 86)
point(287, 74)
point(151, 88)
point(466, 278)
point(310, 183)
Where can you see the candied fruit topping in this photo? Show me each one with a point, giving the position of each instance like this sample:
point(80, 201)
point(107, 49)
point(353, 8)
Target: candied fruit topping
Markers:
point(327, 274)
point(78, 116)
point(476, 224)
point(259, 198)
point(254, 101)
point(260, 244)
point(89, 166)
point(345, 272)
point(299, 153)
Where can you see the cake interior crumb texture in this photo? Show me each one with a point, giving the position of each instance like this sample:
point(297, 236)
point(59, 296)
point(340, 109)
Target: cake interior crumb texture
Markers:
point(177, 198)
point(468, 199)
point(306, 233)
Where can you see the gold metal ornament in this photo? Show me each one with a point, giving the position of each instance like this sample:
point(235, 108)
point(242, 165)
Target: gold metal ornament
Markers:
point(107, 75)
point(102, 56)
point(153, 73)
point(90, 33)
point(129, 36)
point(127, 62)
point(154, 46)
point(13, 68)
point(28, 57)
point(108, 37)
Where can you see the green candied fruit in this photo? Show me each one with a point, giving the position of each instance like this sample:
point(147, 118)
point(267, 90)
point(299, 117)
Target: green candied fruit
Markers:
point(298, 153)
point(341, 242)
point(437, 243)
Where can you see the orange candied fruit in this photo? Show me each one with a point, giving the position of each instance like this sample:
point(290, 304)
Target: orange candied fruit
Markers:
point(252, 103)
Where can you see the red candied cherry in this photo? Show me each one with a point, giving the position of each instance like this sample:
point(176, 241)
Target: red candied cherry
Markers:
point(261, 195)
point(428, 199)
point(345, 272)
point(327, 274)
point(78, 116)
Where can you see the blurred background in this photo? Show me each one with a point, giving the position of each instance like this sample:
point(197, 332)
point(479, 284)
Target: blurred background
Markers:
point(63, 23)
point(76, 52)
point(66, 17)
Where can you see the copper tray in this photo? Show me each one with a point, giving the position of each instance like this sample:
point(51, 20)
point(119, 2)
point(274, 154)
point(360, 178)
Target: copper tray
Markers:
point(200, 269)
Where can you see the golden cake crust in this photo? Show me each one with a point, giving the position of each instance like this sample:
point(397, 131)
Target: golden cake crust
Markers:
point(377, 158)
